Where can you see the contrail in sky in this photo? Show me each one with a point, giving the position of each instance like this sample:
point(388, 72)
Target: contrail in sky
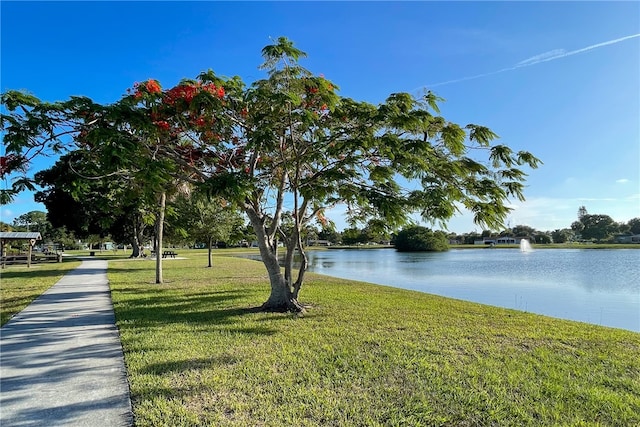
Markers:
point(537, 59)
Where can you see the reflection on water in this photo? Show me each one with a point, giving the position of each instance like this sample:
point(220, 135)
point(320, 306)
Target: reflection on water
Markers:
point(594, 286)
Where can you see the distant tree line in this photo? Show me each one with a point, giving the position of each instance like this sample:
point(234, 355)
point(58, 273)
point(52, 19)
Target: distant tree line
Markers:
point(195, 221)
point(588, 228)
point(597, 228)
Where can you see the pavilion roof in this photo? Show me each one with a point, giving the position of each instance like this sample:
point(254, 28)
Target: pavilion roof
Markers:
point(20, 235)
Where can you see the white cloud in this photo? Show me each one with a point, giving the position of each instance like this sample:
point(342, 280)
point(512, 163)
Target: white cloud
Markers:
point(596, 199)
point(551, 55)
point(541, 57)
point(622, 181)
point(22, 204)
point(6, 215)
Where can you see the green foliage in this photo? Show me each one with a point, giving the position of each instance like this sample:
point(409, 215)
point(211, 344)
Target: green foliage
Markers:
point(329, 234)
point(542, 238)
point(31, 128)
point(291, 125)
point(85, 203)
point(582, 212)
point(577, 227)
point(416, 238)
point(18, 185)
point(597, 227)
point(66, 239)
point(205, 220)
point(634, 225)
point(33, 221)
point(39, 221)
point(282, 50)
point(562, 236)
point(523, 231)
point(353, 236)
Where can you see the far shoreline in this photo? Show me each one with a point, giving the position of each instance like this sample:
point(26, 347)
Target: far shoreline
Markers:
point(465, 247)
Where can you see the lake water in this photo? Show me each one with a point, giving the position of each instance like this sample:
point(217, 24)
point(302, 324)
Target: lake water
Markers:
point(594, 286)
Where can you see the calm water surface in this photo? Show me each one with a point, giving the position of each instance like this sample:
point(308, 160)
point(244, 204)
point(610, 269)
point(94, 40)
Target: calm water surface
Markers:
point(594, 286)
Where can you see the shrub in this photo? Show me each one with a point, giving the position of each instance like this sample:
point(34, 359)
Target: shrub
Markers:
point(418, 238)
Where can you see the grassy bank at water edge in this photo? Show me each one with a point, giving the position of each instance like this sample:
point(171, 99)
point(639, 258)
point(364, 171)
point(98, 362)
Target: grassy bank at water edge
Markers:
point(364, 355)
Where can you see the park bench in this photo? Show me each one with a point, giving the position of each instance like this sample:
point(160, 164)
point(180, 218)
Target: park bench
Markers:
point(171, 254)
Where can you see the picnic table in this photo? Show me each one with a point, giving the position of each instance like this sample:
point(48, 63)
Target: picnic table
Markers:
point(171, 254)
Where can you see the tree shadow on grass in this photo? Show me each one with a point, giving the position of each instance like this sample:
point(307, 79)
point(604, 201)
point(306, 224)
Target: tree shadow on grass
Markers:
point(184, 365)
point(33, 273)
point(205, 308)
point(132, 267)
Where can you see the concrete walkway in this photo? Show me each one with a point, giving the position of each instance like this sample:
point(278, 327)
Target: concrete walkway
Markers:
point(61, 361)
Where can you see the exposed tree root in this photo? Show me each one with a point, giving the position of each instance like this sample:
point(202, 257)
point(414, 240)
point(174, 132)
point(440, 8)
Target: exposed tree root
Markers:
point(291, 306)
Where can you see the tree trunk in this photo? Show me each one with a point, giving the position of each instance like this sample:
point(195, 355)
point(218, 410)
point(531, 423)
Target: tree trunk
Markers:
point(304, 261)
point(135, 248)
point(137, 237)
point(281, 298)
point(290, 244)
point(209, 252)
point(159, 233)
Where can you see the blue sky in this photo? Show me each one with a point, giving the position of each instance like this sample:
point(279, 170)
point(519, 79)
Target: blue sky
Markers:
point(559, 79)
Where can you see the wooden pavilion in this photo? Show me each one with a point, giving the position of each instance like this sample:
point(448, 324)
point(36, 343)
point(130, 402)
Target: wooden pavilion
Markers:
point(30, 237)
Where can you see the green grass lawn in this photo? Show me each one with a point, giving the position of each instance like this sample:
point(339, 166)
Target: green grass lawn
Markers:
point(20, 285)
point(364, 355)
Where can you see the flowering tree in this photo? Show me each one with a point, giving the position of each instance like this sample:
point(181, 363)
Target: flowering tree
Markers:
point(137, 141)
point(289, 146)
point(298, 142)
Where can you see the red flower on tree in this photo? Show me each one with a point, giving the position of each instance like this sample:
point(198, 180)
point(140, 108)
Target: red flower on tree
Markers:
point(3, 165)
point(214, 90)
point(178, 100)
point(153, 86)
point(200, 121)
point(10, 162)
point(186, 92)
point(162, 125)
point(150, 86)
